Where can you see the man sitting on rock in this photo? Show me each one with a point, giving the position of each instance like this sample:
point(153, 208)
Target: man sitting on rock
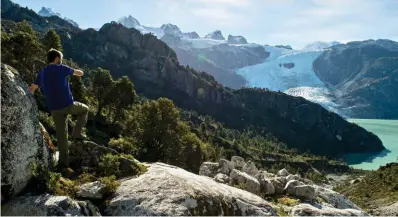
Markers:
point(53, 81)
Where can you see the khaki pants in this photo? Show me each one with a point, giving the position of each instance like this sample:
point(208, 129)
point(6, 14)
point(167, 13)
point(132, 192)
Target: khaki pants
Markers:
point(61, 126)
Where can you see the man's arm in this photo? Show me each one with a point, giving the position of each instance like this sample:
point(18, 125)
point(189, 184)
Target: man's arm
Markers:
point(32, 88)
point(78, 72)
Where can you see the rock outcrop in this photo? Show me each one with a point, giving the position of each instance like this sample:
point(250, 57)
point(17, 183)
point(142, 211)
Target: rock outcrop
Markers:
point(244, 181)
point(192, 35)
point(238, 162)
point(216, 35)
point(250, 168)
point(169, 190)
point(209, 169)
point(236, 39)
point(337, 200)
point(226, 166)
point(221, 178)
point(322, 210)
point(48, 205)
point(23, 147)
point(92, 190)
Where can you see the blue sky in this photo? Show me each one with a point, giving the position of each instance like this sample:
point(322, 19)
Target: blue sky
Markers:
point(293, 22)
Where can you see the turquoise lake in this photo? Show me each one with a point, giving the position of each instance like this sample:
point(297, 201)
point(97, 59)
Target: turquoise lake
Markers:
point(387, 131)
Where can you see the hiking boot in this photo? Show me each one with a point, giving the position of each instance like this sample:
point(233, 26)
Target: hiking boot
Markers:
point(68, 173)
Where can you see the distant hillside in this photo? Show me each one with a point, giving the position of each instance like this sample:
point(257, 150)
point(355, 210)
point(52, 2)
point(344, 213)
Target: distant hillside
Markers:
point(378, 188)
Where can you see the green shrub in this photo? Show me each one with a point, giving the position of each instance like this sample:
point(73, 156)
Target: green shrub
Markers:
point(109, 165)
point(110, 183)
point(123, 145)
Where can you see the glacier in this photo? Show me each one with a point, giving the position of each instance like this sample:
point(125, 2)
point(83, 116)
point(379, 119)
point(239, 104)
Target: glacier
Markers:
point(291, 72)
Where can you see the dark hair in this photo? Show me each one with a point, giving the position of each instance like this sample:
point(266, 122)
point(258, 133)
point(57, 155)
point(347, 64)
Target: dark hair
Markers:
point(52, 54)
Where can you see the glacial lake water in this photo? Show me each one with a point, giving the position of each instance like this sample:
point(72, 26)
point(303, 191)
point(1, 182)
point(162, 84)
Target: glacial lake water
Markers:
point(387, 131)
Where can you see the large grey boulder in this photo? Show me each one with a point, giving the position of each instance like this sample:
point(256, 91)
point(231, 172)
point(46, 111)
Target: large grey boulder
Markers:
point(279, 184)
point(264, 174)
point(208, 169)
point(169, 190)
point(238, 162)
point(293, 177)
point(305, 209)
point(391, 210)
point(244, 181)
point(283, 172)
point(291, 185)
point(305, 192)
point(48, 205)
point(300, 190)
point(335, 199)
point(221, 178)
point(250, 168)
point(226, 166)
point(92, 190)
point(266, 185)
point(23, 147)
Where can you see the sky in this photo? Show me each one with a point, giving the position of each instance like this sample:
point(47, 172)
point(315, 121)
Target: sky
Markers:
point(286, 22)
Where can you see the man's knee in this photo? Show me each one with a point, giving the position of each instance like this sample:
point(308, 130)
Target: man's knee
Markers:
point(82, 107)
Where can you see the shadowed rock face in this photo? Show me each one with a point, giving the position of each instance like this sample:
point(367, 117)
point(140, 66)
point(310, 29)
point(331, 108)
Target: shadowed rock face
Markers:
point(22, 144)
point(236, 39)
point(48, 205)
point(364, 76)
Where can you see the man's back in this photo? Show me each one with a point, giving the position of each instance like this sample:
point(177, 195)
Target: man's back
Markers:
point(55, 86)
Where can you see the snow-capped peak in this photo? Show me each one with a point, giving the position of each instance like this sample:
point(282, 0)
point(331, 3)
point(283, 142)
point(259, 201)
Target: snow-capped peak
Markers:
point(192, 35)
point(320, 45)
point(171, 30)
point(48, 12)
point(217, 35)
point(129, 22)
point(236, 39)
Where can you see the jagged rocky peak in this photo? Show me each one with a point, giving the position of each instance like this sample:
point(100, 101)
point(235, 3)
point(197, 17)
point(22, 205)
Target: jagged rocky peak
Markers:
point(236, 39)
point(192, 35)
point(171, 29)
point(217, 35)
point(284, 46)
point(129, 21)
point(48, 12)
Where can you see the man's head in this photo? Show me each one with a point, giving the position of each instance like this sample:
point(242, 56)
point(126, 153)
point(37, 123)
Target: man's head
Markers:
point(54, 56)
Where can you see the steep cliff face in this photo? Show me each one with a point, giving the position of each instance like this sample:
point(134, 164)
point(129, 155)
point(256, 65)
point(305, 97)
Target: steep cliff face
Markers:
point(364, 76)
point(23, 146)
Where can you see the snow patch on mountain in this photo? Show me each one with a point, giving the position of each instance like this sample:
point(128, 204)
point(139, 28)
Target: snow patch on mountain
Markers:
point(320, 95)
point(48, 12)
point(319, 45)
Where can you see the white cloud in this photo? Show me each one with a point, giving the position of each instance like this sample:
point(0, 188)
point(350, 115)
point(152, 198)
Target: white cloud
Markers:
point(216, 16)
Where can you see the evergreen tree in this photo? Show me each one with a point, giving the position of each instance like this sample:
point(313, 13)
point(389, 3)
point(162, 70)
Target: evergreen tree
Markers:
point(124, 96)
point(20, 48)
point(52, 40)
point(102, 85)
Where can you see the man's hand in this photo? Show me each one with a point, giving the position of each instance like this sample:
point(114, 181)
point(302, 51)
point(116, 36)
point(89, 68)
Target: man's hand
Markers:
point(32, 88)
point(78, 73)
